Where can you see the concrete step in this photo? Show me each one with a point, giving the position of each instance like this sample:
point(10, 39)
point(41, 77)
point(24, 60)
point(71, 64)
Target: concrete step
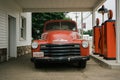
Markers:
point(111, 64)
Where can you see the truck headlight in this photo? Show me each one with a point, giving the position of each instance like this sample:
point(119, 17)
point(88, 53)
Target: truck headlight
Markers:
point(85, 44)
point(34, 45)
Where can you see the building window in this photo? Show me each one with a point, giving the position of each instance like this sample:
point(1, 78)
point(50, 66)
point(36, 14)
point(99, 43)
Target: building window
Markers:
point(23, 28)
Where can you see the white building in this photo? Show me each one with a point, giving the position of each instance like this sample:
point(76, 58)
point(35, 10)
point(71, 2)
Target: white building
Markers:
point(15, 30)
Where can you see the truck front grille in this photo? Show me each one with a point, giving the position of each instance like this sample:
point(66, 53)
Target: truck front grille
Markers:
point(52, 50)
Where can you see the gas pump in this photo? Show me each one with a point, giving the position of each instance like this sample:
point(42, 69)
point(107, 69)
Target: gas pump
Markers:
point(101, 40)
point(102, 10)
point(96, 36)
point(109, 49)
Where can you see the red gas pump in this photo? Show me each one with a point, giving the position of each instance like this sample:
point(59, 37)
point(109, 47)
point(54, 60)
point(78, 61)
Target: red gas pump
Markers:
point(101, 42)
point(102, 10)
point(109, 38)
point(96, 36)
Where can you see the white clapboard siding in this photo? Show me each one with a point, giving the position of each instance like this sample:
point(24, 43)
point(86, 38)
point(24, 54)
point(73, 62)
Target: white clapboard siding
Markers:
point(3, 30)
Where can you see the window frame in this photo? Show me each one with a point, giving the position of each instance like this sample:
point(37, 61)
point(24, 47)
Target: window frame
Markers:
point(23, 28)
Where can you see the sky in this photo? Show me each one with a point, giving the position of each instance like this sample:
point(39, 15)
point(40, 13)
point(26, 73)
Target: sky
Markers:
point(87, 16)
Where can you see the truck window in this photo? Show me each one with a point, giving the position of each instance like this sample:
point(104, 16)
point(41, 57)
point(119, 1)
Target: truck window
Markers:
point(61, 26)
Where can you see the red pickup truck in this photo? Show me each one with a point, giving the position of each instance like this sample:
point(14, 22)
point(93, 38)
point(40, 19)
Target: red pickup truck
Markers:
point(60, 43)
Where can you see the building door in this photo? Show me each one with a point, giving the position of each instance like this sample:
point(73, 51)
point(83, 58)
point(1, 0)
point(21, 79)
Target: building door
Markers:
point(12, 50)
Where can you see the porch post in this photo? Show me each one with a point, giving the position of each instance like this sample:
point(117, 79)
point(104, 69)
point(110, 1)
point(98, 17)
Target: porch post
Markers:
point(118, 30)
point(93, 18)
point(93, 24)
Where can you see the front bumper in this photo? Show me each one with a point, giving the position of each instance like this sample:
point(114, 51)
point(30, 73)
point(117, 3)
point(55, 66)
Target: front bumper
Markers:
point(60, 59)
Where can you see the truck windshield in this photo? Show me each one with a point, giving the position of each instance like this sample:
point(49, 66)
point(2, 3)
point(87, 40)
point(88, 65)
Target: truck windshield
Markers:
point(61, 26)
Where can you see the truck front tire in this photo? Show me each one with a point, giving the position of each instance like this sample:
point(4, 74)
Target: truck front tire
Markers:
point(37, 65)
point(82, 64)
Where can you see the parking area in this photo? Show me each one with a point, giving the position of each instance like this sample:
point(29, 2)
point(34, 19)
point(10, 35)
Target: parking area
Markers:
point(22, 69)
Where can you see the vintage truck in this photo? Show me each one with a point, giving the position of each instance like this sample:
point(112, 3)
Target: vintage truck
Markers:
point(59, 43)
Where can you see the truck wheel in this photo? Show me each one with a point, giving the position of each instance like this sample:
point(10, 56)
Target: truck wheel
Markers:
point(82, 64)
point(36, 65)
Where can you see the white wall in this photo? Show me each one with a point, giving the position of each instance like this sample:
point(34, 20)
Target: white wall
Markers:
point(9, 7)
point(3, 30)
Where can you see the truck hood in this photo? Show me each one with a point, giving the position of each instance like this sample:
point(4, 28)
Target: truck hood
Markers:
point(60, 36)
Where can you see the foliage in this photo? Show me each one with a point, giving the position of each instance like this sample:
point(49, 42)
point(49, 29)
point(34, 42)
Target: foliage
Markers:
point(38, 20)
point(89, 32)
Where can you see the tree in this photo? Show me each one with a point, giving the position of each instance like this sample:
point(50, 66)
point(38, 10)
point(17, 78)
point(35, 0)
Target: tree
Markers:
point(89, 32)
point(38, 20)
